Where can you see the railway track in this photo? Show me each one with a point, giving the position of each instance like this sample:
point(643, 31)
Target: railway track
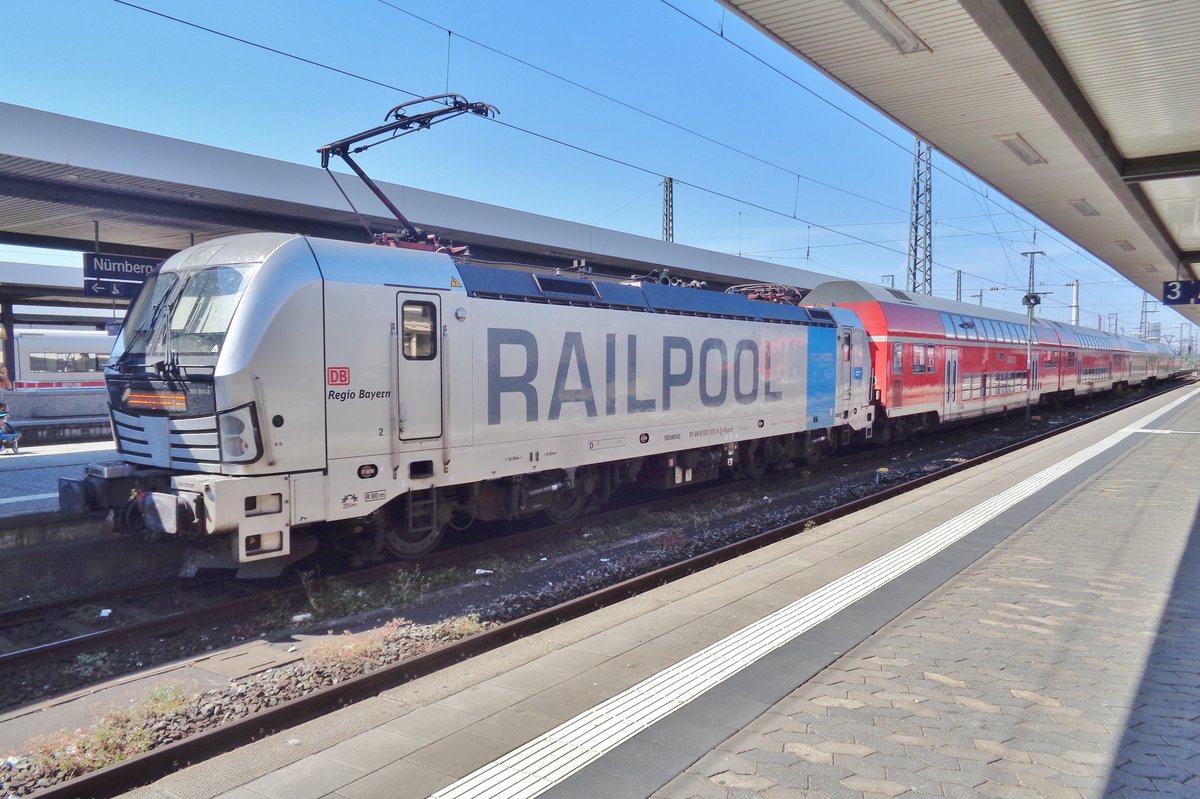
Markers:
point(157, 762)
point(127, 616)
point(189, 608)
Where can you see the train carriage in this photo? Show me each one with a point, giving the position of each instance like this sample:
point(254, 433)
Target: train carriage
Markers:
point(48, 359)
point(58, 373)
point(937, 361)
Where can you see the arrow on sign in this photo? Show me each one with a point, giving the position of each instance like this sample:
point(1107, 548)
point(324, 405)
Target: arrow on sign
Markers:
point(114, 289)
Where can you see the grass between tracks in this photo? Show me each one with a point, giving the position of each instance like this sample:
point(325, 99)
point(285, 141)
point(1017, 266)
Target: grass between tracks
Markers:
point(117, 735)
point(166, 714)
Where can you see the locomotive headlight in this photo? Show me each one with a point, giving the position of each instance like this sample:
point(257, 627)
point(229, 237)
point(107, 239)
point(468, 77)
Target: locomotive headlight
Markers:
point(238, 429)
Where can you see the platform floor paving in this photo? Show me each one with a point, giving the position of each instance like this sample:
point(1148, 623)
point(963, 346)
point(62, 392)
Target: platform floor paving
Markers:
point(1050, 651)
point(1066, 663)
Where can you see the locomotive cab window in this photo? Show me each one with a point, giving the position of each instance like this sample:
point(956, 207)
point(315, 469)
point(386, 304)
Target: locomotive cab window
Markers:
point(419, 321)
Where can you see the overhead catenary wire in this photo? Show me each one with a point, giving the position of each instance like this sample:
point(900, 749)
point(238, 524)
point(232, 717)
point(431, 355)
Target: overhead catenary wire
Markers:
point(639, 110)
point(544, 137)
point(694, 185)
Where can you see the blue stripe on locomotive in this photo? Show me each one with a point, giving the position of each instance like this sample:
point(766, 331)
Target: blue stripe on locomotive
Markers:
point(821, 389)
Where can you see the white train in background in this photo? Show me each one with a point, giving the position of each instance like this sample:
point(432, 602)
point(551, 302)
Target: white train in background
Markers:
point(58, 373)
point(59, 359)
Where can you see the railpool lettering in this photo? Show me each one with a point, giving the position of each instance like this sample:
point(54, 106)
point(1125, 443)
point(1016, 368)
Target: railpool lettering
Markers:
point(715, 373)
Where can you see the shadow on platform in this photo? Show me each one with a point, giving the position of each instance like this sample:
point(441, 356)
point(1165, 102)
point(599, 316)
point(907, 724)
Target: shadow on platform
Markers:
point(1160, 749)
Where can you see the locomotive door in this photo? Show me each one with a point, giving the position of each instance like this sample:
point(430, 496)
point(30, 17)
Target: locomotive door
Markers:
point(951, 406)
point(418, 366)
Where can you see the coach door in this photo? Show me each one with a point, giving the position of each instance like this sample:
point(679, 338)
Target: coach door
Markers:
point(951, 406)
point(418, 366)
point(854, 368)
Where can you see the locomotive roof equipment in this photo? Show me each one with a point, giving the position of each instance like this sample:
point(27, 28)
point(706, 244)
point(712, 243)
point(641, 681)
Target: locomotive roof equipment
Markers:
point(401, 124)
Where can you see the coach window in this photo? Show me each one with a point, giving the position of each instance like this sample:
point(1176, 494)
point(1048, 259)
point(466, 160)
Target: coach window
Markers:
point(419, 321)
point(897, 359)
point(918, 364)
point(930, 352)
point(947, 324)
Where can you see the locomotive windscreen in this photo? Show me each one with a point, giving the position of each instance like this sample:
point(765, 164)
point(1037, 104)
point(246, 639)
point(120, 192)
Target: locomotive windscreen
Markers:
point(183, 313)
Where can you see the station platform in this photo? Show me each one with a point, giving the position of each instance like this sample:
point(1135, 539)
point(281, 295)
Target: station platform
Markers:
point(1027, 628)
point(29, 478)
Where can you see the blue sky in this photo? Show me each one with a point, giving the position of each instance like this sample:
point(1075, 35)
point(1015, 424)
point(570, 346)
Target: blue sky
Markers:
point(597, 102)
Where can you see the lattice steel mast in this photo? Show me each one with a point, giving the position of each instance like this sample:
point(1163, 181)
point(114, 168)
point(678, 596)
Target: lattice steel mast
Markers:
point(668, 209)
point(920, 222)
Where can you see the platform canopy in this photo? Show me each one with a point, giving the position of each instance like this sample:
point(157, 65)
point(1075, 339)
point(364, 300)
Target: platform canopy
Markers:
point(1085, 112)
point(75, 184)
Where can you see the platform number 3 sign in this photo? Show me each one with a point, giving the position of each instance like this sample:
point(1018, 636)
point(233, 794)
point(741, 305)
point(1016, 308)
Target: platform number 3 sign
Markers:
point(1180, 292)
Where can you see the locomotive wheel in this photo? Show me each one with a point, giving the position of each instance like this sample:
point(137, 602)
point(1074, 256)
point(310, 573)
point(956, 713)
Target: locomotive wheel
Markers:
point(755, 465)
point(568, 507)
point(403, 543)
point(131, 519)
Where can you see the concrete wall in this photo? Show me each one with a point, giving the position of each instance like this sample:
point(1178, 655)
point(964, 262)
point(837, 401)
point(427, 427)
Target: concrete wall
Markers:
point(59, 403)
point(49, 554)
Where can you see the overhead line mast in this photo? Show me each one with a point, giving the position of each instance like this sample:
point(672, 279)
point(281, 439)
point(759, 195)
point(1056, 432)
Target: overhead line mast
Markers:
point(920, 221)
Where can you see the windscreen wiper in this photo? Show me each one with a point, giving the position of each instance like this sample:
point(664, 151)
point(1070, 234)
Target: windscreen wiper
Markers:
point(141, 332)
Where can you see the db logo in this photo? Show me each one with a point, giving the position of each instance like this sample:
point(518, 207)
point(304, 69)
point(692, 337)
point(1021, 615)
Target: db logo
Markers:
point(338, 375)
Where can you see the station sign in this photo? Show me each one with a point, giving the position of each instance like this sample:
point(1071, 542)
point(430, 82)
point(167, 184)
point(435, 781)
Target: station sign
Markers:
point(116, 276)
point(1181, 292)
point(111, 289)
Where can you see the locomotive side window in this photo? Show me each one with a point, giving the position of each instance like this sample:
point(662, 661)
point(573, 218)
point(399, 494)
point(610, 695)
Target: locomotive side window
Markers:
point(419, 320)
